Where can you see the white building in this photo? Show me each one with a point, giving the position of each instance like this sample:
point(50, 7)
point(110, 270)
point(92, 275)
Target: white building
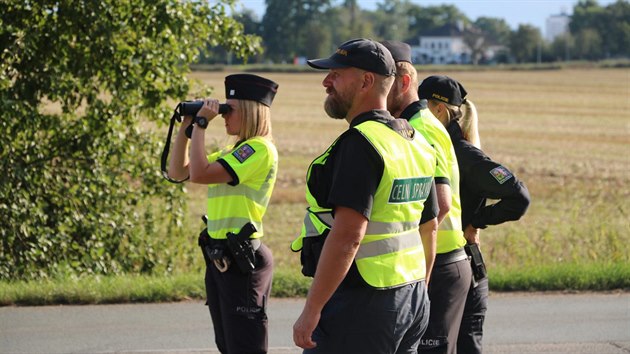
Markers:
point(556, 25)
point(445, 45)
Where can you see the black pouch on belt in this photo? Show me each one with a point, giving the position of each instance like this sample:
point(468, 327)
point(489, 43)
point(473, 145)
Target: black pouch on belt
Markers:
point(241, 247)
point(210, 251)
point(476, 261)
point(311, 250)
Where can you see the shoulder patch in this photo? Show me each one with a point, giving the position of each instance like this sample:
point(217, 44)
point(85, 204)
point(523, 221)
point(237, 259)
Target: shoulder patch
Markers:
point(243, 152)
point(501, 174)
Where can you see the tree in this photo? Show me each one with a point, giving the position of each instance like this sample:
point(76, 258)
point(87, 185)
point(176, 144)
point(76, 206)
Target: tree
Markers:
point(342, 23)
point(475, 40)
point(285, 24)
point(495, 29)
point(587, 45)
point(586, 14)
point(524, 43)
point(81, 85)
point(616, 38)
point(390, 20)
point(320, 40)
point(611, 24)
point(426, 19)
point(562, 48)
point(221, 55)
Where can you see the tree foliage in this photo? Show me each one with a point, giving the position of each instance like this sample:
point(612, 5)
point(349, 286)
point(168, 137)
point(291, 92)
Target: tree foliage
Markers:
point(83, 84)
point(524, 43)
point(611, 24)
point(305, 27)
point(495, 29)
point(285, 26)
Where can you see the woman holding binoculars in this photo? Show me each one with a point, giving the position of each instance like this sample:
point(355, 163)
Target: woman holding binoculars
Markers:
point(240, 181)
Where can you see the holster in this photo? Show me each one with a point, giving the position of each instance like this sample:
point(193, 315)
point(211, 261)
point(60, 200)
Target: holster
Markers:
point(476, 261)
point(237, 248)
point(241, 248)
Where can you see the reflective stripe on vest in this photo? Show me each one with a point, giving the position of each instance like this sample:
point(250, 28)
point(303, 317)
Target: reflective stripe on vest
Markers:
point(450, 235)
point(399, 242)
point(373, 227)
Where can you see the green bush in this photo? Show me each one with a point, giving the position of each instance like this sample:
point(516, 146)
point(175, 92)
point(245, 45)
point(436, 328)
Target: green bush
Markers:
point(83, 85)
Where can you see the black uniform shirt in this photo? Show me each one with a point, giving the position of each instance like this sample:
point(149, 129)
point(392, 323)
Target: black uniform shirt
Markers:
point(482, 178)
point(353, 171)
point(413, 108)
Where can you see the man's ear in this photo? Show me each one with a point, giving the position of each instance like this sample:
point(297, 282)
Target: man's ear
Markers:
point(441, 107)
point(368, 80)
point(405, 82)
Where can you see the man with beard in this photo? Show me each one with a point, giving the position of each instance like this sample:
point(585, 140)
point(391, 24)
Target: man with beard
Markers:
point(361, 238)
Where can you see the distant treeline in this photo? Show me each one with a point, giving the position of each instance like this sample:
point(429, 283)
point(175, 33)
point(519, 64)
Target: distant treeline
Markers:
point(291, 29)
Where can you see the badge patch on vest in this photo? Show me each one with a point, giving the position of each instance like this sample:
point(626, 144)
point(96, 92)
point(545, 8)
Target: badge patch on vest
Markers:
point(405, 190)
point(501, 174)
point(243, 153)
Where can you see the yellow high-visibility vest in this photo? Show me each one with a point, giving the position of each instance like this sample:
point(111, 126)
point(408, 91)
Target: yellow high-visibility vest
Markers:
point(450, 234)
point(391, 252)
point(255, 161)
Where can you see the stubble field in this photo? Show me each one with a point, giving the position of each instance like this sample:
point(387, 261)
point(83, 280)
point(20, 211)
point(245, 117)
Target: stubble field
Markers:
point(565, 133)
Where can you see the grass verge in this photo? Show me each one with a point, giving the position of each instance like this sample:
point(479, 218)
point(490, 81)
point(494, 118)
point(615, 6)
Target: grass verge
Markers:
point(288, 283)
point(563, 276)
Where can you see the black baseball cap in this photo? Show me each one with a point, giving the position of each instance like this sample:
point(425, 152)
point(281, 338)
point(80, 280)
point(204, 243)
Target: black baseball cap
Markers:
point(400, 51)
point(442, 88)
point(359, 53)
point(250, 87)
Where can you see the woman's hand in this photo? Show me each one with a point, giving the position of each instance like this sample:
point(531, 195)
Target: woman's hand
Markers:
point(210, 109)
point(187, 121)
point(471, 234)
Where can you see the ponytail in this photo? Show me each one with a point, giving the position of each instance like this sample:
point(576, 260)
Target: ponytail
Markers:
point(469, 123)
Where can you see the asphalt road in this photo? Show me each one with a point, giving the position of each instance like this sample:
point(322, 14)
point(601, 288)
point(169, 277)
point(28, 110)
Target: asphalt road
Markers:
point(516, 323)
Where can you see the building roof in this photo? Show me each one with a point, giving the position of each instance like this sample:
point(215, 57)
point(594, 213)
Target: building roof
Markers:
point(448, 30)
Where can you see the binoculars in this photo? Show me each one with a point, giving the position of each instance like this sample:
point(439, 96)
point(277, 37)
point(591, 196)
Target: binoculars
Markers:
point(190, 108)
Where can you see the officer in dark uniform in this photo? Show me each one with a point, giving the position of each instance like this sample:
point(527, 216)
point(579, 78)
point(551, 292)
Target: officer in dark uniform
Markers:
point(480, 179)
point(240, 179)
point(366, 215)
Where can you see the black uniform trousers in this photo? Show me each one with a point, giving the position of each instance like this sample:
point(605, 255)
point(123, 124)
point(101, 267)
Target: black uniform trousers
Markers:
point(447, 292)
point(237, 304)
point(363, 320)
point(471, 329)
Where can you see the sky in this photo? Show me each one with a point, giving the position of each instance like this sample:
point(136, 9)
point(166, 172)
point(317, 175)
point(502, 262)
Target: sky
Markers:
point(515, 12)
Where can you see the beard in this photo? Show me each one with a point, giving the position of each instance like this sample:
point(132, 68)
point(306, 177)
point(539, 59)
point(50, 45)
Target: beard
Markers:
point(336, 105)
point(394, 100)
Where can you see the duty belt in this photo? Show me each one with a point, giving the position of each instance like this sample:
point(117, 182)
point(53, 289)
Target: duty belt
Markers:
point(450, 257)
point(223, 242)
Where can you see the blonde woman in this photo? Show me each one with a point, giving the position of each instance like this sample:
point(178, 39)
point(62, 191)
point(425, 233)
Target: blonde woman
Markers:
point(480, 179)
point(240, 181)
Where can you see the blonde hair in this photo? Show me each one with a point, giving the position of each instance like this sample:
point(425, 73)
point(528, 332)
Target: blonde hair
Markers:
point(467, 118)
point(255, 120)
point(469, 123)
